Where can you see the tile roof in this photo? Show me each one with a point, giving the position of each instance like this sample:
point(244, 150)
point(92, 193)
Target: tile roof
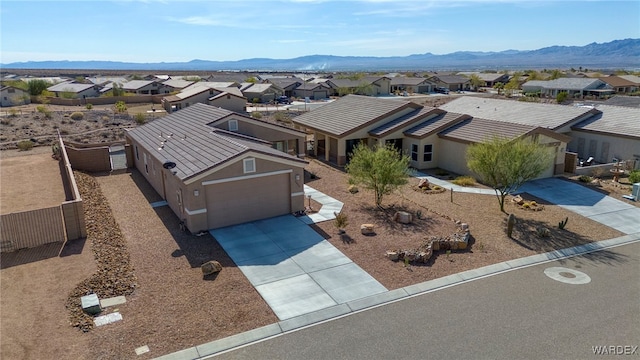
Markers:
point(435, 124)
point(518, 112)
point(136, 84)
point(614, 120)
point(258, 88)
point(571, 83)
point(178, 83)
point(405, 120)
point(285, 82)
point(350, 113)
point(633, 78)
point(452, 79)
point(617, 81)
point(475, 130)
point(312, 86)
point(185, 138)
point(70, 87)
point(628, 101)
point(404, 80)
point(483, 76)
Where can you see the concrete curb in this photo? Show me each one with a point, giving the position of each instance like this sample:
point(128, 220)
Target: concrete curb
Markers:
point(355, 306)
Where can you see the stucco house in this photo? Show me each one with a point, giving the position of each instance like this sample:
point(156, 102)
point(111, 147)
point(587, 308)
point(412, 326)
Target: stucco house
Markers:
point(621, 85)
point(400, 84)
point(571, 86)
point(73, 90)
point(177, 84)
point(260, 93)
point(13, 96)
point(312, 91)
point(217, 168)
point(368, 85)
point(216, 94)
point(489, 79)
point(613, 133)
point(287, 84)
point(437, 137)
point(146, 87)
point(452, 82)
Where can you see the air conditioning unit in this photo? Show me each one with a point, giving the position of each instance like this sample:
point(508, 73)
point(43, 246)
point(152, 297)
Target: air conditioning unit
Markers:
point(635, 193)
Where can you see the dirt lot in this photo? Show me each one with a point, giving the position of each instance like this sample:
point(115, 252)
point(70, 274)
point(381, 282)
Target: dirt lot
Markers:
point(30, 182)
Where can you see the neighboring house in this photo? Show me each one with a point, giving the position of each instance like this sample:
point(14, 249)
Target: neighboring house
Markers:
point(437, 137)
point(490, 79)
point(400, 84)
point(13, 96)
point(177, 84)
point(452, 82)
point(287, 84)
point(455, 140)
point(620, 85)
point(216, 94)
point(212, 174)
point(368, 85)
point(260, 93)
point(633, 78)
point(571, 86)
point(146, 87)
point(341, 125)
point(312, 91)
point(103, 80)
point(613, 133)
point(75, 91)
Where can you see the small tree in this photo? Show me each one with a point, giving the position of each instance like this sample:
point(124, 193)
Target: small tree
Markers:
point(117, 90)
point(36, 87)
point(381, 169)
point(475, 81)
point(499, 86)
point(561, 97)
point(507, 164)
point(121, 106)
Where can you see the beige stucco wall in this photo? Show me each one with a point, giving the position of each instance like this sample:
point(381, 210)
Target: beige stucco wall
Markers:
point(619, 147)
point(452, 156)
point(433, 140)
point(229, 102)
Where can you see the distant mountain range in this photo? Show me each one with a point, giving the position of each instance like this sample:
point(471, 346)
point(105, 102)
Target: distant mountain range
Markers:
point(617, 54)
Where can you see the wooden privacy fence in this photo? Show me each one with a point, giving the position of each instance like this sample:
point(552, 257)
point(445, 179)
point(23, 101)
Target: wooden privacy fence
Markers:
point(33, 228)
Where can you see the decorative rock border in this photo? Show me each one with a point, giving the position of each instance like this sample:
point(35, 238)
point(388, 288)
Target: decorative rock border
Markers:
point(459, 240)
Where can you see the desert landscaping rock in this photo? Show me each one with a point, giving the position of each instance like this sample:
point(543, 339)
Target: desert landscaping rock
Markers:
point(403, 217)
point(367, 229)
point(115, 274)
point(211, 267)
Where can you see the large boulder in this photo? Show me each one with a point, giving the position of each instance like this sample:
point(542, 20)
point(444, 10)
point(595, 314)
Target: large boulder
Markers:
point(367, 229)
point(403, 217)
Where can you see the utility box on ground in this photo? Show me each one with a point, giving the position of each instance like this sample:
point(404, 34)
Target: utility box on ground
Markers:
point(91, 304)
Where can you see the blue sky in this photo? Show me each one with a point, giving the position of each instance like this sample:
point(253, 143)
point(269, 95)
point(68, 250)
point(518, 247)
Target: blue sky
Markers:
point(169, 30)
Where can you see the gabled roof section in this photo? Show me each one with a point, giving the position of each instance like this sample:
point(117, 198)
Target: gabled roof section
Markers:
point(229, 91)
point(617, 81)
point(70, 87)
point(136, 84)
point(435, 124)
point(613, 120)
point(572, 83)
point(633, 78)
point(450, 79)
point(404, 80)
point(350, 113)
point(185, 138)
point(312, 86)
point(260, 122)
point(258, 88)
point(404, 121)
point(518, 112)
point(285, 82)
point(626, 101)
point(476, 130)
point(178, 83)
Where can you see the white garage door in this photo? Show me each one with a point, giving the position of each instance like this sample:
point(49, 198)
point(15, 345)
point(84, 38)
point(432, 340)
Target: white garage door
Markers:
point(242, 201)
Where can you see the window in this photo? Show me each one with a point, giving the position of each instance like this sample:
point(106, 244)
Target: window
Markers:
point(211, 92)
point(428, 153)
point(137, 154)
point(414, 152)
point(11, 91)
point(146, 165)
point(249, 165)
point(233, 125)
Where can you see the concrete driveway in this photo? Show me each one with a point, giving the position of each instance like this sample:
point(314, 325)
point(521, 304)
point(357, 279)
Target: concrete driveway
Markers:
point(594, 205)
point(295, 270)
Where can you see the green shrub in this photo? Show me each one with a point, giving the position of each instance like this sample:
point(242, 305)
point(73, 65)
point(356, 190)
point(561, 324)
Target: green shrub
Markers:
point(464, 181)
point(120, 106)
point(41, 109)
point(77, 115)
point(585, 178)
point(89, 106)
point(140, 118)
point(13, 112)
point(634, 176)
point(281, 116)
point(341, 221)
point(25, 145)
point(256, 114)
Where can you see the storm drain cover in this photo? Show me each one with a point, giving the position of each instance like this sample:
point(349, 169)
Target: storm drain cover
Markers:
point(567, 276)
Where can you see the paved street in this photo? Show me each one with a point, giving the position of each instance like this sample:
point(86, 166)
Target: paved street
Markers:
point(514, 315)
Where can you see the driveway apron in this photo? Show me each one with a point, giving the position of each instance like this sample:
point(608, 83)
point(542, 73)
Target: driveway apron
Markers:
point(586, 202)
point(295, 270)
